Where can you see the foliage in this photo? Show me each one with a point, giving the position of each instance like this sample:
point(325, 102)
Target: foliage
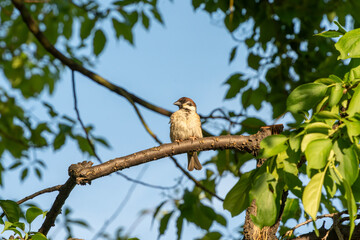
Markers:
point(328, 138)
point(13, 224)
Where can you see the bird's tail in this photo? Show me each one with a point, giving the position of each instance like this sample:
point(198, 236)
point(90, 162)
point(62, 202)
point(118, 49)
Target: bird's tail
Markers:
point(193, 161)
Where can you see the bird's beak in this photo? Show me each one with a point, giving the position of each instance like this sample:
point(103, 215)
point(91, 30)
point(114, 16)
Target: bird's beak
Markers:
point(177, 103)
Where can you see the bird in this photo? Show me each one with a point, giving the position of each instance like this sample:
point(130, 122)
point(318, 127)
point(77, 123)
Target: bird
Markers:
point(185, 124)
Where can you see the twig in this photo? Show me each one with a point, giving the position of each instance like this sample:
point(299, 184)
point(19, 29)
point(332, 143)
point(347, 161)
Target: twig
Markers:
point(121, 205)
point(329, 215)
point(335, 227)
point(93, 147)
point(46, 190)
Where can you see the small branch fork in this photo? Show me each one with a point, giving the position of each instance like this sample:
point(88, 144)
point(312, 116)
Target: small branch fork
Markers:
point(84, 172)
point(336, 226)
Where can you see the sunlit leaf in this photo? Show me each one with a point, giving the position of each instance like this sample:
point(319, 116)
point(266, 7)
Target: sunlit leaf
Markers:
point(336, 94)
point(266, 212)
point(273, 145)
point(312, 194)
point(317, 153)
point(32, 213)
point(349, 45)
point(354, 106)
point(306, 96)
point(349, 162)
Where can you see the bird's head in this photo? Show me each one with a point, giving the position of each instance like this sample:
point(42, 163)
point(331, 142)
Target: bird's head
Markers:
point(186, 103)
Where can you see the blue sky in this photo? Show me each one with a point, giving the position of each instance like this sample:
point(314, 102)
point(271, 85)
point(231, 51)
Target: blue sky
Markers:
point(186, 57)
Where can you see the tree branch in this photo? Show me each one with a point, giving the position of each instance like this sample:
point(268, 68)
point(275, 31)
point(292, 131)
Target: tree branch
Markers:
point(34, 28)
point(83, 172)
point(46, 190)
point(55, 210)
point(241, 143)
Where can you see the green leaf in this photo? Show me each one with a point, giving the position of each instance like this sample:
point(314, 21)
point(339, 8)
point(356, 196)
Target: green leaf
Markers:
point(38, 173)
point(236, 84)
point(196, 3)
point(351, 206)
point(221, 220)
point(237, 199)
point(251, 125)
point(273, 145)
point(317, 127)
point(32, 213)
point(11, 210)
point(266, 212)
point(84, 145)
point(354, 106)
point(311, 137)
point(352, 127)
point(287, 168)
point(157, 211)
point(211, 236)
point(59, 141)
point(336, 94)
point(99, 42)
point(341, 28)
point(123, 29)
point(291, 210)
point(326, 81)
point(349, 163)
point(305, 96)
point(232, 54)
point(312, 194)
point(24, 174)
point(317, 153)
point(157, 15)
point(38, 236)
point(86, 28)
point(254, 61)
point(329, 34)
point(294, 142)
point(179, 225)
point(356, 189)
point(145, 20)
point(327, 115)
point(349, 45)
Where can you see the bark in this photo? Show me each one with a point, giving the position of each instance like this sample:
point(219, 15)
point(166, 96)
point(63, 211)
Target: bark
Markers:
point(251, 231)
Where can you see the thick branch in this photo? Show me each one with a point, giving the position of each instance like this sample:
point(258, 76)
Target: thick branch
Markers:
point(34, 28)
point(55, 210)
point(241, 143)
point(83, 173)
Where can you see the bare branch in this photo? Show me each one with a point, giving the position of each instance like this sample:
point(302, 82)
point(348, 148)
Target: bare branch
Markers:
point(34, 28)
point(83, 172)
point(55, 210)
point(46, 190)
point(241, 143)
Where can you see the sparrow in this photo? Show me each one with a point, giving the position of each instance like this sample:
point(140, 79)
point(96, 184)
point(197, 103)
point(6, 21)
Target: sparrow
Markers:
point(185, 124)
